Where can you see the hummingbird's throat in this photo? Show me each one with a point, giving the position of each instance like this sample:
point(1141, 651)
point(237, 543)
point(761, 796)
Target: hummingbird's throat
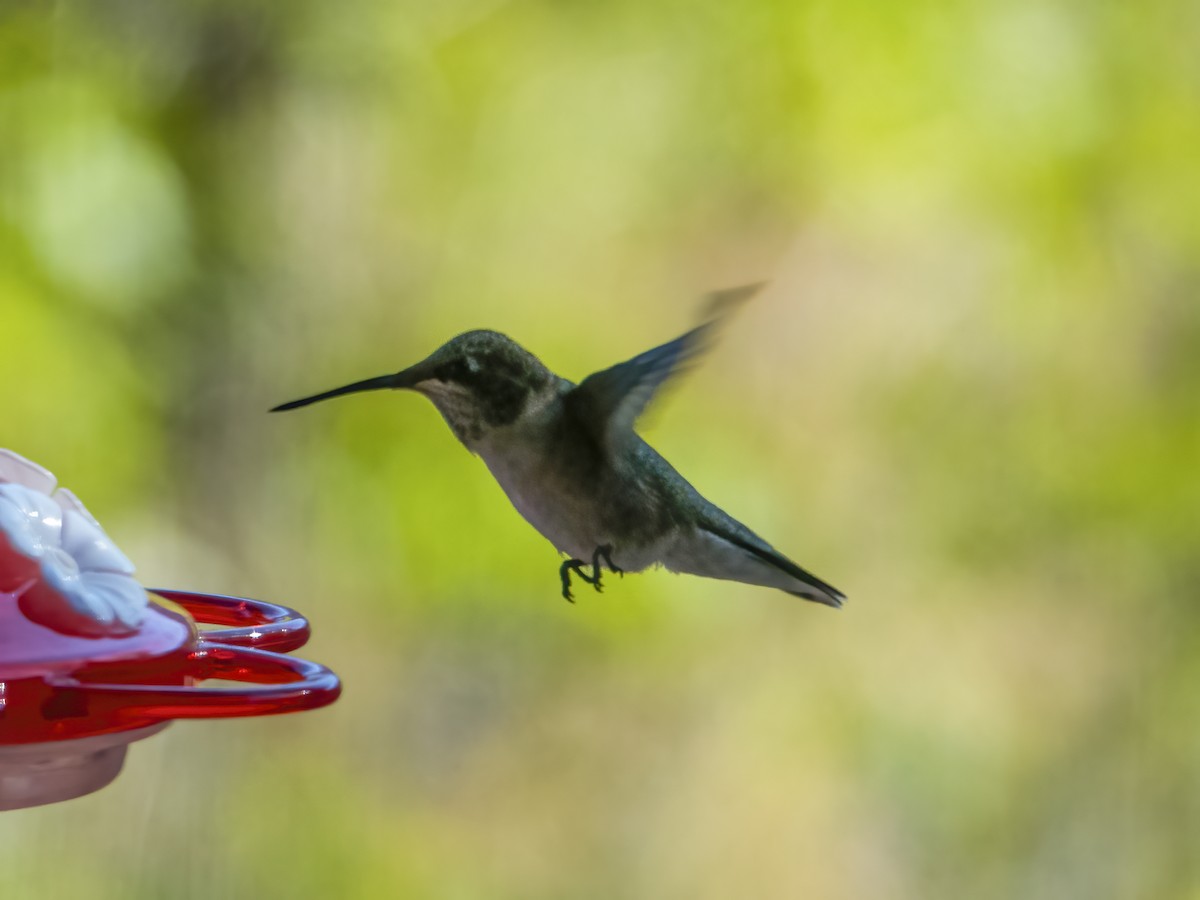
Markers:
point(458, 407)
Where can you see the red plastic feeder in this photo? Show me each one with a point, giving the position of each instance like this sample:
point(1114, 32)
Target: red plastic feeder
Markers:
point(70, 705)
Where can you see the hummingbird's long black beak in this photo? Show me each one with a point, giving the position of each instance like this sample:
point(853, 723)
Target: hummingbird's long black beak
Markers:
point(403, 379)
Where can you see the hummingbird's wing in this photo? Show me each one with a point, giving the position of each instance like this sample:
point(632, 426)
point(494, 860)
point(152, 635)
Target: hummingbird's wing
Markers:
point(608, 402)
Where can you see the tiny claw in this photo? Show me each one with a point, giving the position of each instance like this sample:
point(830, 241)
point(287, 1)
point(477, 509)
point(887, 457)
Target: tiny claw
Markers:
point(604, 553)
point(564, 572)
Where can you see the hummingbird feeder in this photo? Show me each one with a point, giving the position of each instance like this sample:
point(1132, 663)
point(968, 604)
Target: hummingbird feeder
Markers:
point(89, 663)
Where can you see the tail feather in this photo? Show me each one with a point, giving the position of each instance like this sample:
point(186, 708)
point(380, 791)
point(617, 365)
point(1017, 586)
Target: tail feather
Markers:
point(812, 588)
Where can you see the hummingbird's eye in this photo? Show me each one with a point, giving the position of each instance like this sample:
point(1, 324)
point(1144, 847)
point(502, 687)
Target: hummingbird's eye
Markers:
point(456, 371)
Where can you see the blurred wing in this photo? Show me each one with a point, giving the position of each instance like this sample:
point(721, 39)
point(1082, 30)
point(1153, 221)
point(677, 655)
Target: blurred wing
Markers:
point(608, 403)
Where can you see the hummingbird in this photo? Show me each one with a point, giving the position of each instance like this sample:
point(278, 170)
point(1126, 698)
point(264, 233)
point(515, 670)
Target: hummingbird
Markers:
point(569, 460)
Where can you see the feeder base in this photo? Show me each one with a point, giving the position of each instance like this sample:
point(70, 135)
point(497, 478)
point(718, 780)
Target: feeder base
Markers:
point(36, 774)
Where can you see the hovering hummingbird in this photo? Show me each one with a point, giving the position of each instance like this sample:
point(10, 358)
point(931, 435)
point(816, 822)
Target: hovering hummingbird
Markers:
point(570, 462)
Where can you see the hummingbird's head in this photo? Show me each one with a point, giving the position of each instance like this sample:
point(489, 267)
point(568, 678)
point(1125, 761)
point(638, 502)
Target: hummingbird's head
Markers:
point(479, 381)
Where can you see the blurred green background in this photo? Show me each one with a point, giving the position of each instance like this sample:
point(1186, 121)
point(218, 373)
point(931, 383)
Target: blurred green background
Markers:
point(970, 399)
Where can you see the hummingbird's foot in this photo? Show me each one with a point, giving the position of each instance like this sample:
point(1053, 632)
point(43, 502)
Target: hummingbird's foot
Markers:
point(576, 566)
point(603, 553)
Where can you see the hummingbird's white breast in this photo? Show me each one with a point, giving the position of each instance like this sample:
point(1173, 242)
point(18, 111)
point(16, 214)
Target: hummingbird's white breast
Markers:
point(520, 458)
point(563, 511)
point(547, 503)
point(546, 509)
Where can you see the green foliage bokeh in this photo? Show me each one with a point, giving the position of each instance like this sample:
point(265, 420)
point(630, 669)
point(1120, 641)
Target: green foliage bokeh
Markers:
point(969, 399)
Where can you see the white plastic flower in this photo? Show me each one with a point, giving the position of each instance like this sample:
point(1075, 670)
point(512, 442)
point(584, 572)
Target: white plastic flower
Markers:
point(57, 560)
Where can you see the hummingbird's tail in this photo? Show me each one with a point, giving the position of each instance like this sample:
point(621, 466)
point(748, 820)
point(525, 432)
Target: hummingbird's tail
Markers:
point(722, 547)
point(810, 587)
point(369, 384)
